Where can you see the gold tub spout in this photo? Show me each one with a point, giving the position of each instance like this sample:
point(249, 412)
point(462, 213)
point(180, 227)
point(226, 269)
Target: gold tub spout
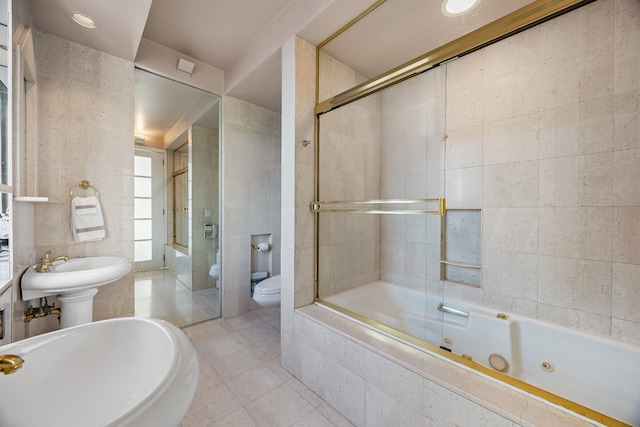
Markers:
point(9, 363)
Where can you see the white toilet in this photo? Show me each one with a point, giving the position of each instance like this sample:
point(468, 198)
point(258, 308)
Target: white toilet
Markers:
point(214, 271)
point(267, 292)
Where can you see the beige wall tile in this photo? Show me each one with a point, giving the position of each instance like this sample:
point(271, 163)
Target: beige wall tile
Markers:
point(511, 185)
point(596, 125)
point(560, 181)
point(510, 273)
point(574, 319)
point(384, 410)
point(625, 330)
point(465, 147)
point(626, 228)
point(625, 292)
point(578, 284)
point(626, 181)
point(345, 391)
point(512, 140)
point(464, 189)
point(627, 118)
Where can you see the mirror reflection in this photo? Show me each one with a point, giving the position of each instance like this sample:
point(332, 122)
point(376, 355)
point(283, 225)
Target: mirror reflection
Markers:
point(5, 198)
point(5, 229)
point(176, 200)
point(181, 196)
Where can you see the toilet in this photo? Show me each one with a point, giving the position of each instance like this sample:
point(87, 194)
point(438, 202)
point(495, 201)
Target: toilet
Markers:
point(267, 292)
point(214, 271)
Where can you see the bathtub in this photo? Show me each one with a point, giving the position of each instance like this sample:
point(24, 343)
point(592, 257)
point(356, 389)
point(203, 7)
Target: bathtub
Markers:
point(595, 372)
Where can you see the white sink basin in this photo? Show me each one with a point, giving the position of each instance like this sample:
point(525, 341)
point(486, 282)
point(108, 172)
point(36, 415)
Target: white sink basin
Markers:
point(77, 274)
point(118, 372)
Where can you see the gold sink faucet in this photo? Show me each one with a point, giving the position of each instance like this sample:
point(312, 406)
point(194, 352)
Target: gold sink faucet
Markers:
point(45, 262)
point(9, 363)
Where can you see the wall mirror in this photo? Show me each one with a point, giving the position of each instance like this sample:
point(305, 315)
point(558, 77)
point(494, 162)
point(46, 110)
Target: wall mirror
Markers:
point(176, 200)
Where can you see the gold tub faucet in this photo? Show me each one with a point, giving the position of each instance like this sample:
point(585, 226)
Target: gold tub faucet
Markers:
point(45, 262)
point(9, 363)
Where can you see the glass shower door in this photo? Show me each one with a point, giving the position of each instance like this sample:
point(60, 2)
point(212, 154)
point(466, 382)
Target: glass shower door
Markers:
point(379, 205)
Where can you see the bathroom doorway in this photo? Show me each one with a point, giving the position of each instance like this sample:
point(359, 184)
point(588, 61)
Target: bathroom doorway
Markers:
point(177, 129)
point(148, 210)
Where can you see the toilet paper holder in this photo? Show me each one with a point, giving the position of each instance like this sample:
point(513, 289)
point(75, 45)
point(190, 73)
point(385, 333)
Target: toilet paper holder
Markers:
point(260, 247)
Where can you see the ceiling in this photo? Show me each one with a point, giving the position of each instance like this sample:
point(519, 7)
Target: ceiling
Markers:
point(242, 38)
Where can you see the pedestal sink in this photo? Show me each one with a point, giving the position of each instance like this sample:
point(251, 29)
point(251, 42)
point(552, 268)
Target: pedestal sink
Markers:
point(74, 282)
point(118, 372)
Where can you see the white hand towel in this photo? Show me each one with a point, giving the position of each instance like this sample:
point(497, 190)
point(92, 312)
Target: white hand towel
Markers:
point(87, 223)
point(86, 209)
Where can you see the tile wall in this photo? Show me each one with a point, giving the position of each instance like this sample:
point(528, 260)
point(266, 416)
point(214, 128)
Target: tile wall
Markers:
point(251, 196)
point(85, 131)
point(544, 137)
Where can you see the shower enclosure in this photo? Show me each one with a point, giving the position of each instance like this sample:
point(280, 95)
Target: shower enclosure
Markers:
point(441, 188)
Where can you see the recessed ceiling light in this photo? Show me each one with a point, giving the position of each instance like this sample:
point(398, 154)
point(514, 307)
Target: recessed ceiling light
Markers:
point(84, 20)
point(457, 7)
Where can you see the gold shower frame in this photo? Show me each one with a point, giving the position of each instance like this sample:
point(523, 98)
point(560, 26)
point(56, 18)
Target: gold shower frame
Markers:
point(520, 20)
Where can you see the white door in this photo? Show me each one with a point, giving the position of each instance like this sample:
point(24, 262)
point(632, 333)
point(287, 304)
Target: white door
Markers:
point(149, 221)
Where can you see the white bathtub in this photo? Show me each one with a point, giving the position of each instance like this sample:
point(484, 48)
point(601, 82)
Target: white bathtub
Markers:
point(593, 371)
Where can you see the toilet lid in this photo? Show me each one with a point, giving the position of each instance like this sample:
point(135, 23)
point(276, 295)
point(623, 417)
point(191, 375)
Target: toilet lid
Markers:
point(268, 286)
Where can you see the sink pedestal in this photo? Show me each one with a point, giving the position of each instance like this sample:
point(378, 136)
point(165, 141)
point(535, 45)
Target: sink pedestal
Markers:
point(76, 308)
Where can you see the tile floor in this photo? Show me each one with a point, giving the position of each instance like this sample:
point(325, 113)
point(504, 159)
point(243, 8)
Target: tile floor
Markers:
point(159, 294)
point(242, 382)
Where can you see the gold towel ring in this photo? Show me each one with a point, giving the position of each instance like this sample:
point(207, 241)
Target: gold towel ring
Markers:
point(85, 185)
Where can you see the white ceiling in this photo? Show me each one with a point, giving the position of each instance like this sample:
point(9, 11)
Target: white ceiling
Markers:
point(215, 32)
point(120, 23)
point(242, 38)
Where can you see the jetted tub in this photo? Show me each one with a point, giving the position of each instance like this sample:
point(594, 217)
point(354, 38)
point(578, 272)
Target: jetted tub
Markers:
point(596, 372)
